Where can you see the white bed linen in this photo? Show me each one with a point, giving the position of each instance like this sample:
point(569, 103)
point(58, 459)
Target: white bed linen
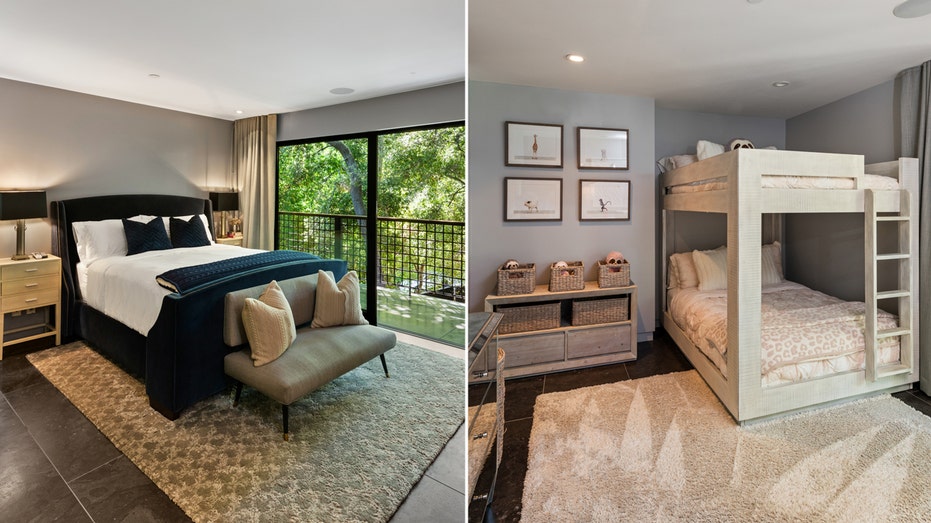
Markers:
point(870, 181)
point(805, 333)
point(124, 287)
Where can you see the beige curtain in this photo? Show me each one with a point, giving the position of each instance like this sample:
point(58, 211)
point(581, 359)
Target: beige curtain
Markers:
point(914, 92)
point(254, 156)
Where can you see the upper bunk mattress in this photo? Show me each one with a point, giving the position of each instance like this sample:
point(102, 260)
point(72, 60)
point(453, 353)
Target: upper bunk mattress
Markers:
point(124, 287)
point(804, 333)
point(869, 181)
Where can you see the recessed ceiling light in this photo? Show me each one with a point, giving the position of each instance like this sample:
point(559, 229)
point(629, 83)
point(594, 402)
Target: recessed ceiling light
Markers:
point(154, 75)
point(780, 83)
point(754, 1)
point(342, 90)
point(912, 8)
point(577, 58)
point(238, 111)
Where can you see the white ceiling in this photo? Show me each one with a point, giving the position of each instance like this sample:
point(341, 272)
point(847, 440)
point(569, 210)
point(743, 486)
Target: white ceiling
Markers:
point(718, 56)
point(215, 57)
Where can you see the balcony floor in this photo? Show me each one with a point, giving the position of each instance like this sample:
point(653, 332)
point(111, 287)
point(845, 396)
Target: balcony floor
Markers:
point(426, 316)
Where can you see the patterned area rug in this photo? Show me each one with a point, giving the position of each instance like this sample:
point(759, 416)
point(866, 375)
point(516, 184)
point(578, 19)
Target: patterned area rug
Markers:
point(358, 444)
point(664, 449)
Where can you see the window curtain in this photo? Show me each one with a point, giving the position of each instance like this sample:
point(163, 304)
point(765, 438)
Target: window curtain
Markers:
point(914, 90)
point(254, 156)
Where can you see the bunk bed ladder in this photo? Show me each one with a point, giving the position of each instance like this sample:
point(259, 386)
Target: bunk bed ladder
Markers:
point(902, 221)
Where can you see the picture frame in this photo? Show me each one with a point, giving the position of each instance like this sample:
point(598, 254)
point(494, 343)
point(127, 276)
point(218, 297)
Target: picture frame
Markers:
point(533, 199)
point(604, 200)
point(603, 148)
point(533, 145)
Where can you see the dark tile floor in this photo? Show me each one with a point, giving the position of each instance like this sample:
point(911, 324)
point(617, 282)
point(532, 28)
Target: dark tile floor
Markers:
point(56, 466)
point(659, 356)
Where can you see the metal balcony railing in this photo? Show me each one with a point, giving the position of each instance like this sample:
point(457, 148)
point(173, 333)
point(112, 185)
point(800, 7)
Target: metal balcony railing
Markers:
point(420, 256)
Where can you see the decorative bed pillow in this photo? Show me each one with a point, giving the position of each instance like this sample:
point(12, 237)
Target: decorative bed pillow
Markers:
point(269, 325)
point(683, 269)
point(203, 219)
point(708, 149)
point(711, 267)
point(102, 238)
point(771, 263)
point(338, 303)
point(187, 233)
point(142, 237)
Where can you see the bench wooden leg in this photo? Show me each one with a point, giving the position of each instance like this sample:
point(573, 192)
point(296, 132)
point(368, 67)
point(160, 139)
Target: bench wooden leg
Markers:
point(284, 420)
point(238, 393)
point(384, 364)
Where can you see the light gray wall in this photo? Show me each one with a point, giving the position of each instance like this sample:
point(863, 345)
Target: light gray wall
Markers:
point(74, 145)
point(862, 123)
point(492, 241)
point(445, 103)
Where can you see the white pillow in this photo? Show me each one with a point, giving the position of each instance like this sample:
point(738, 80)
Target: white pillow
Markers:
point(708, 149)
point(711, 267)
point(102, 239)
point(771, 263)
point(669, 163)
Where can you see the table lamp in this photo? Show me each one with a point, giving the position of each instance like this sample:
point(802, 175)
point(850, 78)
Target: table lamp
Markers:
point(223, 202)
point(20, 205)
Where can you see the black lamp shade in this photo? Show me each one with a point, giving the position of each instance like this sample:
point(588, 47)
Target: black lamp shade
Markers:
point(19, 205)
point(225, 201)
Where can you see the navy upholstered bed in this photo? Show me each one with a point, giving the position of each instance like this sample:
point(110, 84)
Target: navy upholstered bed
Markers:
point(181, 358)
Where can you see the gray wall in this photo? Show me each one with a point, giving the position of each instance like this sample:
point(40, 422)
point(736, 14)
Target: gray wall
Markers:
point(75, 145)
point(863, 123)
point(492, 241)
point(445, 103)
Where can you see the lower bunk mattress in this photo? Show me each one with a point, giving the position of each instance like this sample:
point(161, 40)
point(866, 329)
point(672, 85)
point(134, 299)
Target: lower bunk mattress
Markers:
point(804, 333)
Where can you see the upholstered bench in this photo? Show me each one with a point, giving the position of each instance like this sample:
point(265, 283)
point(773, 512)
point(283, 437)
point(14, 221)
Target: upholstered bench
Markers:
point(317, 355)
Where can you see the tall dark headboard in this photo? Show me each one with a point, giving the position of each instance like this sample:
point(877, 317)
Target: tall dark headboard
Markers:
point(94, 208)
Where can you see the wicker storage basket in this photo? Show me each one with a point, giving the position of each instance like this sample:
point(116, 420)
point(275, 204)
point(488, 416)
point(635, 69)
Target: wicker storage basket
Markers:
point(521, 280)
point(529, 318)
point(567, 278)
point(613, 274)
point(591, 312)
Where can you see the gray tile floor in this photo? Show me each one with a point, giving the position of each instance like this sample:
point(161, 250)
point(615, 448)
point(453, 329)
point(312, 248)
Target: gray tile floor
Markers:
point(56, 466)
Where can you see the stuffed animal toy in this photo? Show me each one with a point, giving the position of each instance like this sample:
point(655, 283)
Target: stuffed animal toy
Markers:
point(561, 265)
point(511, 264)
point(614, 257)
point(739, 143)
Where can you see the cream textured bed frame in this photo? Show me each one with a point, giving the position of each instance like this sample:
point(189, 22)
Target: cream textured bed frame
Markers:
point(745, 201)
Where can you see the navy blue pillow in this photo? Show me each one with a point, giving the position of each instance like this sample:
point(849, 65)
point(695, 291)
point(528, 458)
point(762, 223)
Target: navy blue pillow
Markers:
point(142, 237)
point(189, 233)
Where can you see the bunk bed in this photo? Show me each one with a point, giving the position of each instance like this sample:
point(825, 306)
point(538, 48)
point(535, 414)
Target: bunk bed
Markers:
point(748, 185)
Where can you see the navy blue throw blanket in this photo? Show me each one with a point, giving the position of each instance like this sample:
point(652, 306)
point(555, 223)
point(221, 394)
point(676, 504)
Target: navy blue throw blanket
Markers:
point(187, 279)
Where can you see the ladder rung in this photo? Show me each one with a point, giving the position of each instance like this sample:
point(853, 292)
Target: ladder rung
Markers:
point(893, 256)
point(892, 370)
point(885, 295)
point(893, 218)
point(891, 333)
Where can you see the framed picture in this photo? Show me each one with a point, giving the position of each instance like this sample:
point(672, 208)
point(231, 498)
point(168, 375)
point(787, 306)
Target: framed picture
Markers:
point(533, 145)
point(604, 200)
point(532, 199)
point(601, 148)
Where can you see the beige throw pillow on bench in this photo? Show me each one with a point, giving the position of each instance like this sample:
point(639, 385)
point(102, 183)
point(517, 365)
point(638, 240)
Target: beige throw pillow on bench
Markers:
point(338, 303)
point(269, 325)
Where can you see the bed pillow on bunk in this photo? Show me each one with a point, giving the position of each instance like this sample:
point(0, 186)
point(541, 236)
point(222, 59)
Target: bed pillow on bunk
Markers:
point(669, 163)
point(711, 267)
point(708, 149)
point(682, 273)
point(771, 263)
point(143, 237)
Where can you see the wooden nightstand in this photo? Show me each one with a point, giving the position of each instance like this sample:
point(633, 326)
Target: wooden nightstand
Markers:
point(235, 240)
point(30, 300)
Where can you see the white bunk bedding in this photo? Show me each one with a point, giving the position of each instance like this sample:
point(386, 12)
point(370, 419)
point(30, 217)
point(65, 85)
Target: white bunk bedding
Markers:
point(805, 334)
point(868, 181)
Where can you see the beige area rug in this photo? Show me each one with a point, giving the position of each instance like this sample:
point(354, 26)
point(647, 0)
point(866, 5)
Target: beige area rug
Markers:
point(358, 444)
point(664, 449)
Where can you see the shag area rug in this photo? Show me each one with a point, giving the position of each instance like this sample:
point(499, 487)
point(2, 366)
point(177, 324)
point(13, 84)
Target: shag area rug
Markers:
point(664, 449)
point(358, 444)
